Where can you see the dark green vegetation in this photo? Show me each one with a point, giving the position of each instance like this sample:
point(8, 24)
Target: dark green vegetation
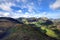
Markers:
point(29, 29)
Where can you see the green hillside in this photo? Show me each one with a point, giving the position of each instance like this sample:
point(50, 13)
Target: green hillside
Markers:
point(25, 32)
point(12, 29)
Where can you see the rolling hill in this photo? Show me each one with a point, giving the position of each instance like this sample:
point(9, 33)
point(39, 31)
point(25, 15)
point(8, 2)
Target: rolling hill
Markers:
point(12, 29)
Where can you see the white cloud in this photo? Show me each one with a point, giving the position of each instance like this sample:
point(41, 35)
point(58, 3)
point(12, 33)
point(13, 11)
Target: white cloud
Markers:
point(24, 1)
point(52, 15)
point(20, 11)
point(30, 7)
point(27, 15)
point(55, 5)
point(6, 6)
point(6, 14)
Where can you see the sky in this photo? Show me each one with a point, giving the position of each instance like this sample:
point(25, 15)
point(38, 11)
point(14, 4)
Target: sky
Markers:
point(30, 8)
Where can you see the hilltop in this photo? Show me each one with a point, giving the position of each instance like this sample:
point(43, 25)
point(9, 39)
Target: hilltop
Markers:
point(12, 29)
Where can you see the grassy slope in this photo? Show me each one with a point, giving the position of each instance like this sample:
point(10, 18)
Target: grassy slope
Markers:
point(25, 32)
point(21, 32)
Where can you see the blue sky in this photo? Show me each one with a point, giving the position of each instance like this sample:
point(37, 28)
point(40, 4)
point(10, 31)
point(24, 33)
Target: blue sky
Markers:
point(30, 8)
